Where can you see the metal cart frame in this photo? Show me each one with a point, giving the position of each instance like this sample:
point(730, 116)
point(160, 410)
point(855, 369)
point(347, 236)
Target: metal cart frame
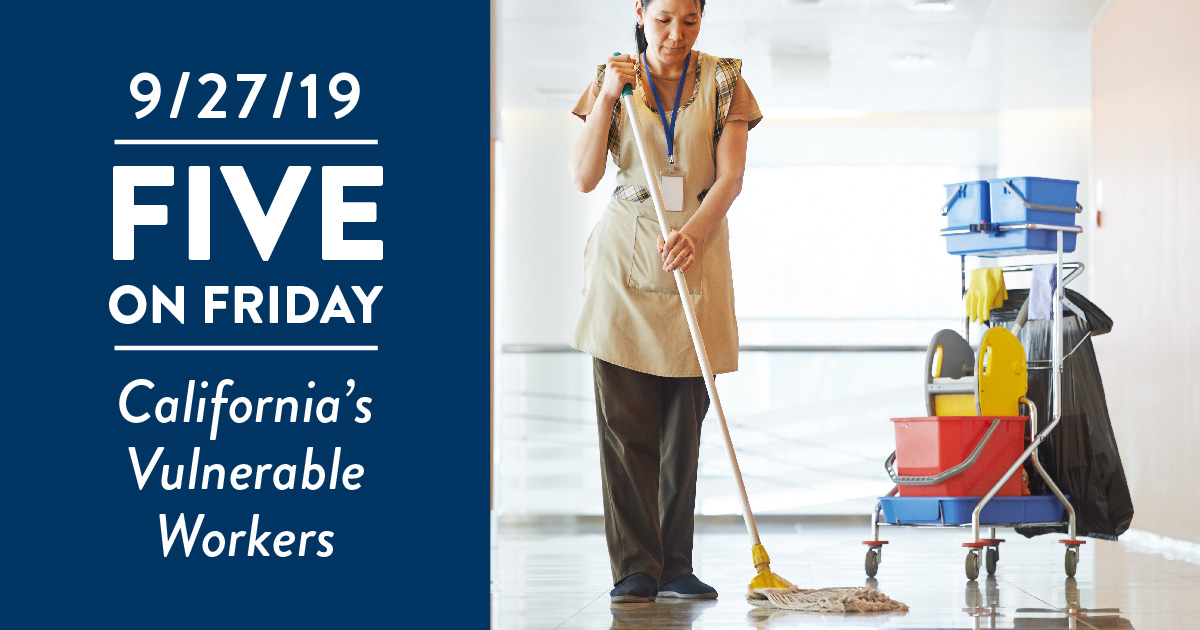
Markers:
point(991, 543)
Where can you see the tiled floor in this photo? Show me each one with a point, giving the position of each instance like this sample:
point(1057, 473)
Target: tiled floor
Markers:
point(554, 574)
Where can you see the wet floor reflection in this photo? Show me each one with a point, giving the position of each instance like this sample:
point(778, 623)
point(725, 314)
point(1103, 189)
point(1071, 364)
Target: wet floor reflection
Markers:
point(561, 581)
point(1108, 623)
point(986, 604)
point(672, 614)
point(983, 606)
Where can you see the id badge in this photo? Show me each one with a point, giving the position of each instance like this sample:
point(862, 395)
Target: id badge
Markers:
point(670, 185)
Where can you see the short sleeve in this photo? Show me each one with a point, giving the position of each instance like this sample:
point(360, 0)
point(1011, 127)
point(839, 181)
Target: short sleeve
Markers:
point(743, 106)
point(587, 101)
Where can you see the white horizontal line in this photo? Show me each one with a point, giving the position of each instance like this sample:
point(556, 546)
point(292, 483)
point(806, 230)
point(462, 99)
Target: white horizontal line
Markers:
point(243, 348)
point(207, 141)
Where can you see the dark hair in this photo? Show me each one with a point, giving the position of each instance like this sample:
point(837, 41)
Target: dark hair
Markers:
point(639, 31)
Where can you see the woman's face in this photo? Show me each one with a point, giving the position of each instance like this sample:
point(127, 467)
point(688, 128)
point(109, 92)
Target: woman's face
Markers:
point(671, 28)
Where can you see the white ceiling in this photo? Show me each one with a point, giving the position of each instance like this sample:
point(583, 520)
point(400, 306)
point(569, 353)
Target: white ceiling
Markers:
point(984, 55)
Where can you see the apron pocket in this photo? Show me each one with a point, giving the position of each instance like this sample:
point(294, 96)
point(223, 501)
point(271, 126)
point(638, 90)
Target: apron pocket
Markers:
point(645, 270)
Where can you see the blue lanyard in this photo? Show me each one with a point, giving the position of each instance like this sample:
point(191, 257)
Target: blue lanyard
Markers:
point(670, 131)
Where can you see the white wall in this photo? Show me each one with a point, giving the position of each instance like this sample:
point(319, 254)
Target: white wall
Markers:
point(1147, 156)
point(545, 223)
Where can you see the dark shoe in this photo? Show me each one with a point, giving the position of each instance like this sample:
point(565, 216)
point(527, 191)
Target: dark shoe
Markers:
point(637, 587)
point(687, 586)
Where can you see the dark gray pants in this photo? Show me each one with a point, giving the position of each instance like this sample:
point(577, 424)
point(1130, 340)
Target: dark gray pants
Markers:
point(649, 451)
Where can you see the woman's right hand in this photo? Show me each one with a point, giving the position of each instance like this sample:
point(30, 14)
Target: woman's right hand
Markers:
point(588, 155)
point(619, 71)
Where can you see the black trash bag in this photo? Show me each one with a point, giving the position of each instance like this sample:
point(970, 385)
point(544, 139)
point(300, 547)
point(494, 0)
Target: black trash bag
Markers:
point(1080, 454)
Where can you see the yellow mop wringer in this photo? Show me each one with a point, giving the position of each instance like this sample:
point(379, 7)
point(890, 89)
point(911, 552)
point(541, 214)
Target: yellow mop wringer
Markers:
point(766, 589)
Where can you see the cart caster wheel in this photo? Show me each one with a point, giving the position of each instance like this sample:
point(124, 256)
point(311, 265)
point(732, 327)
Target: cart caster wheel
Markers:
point(972, 564)
point(993, 556)
point(872, 564)
point(1072, 561)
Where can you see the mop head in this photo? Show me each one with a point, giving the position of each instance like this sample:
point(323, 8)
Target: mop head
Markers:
point(824, 600)
point(768, 590)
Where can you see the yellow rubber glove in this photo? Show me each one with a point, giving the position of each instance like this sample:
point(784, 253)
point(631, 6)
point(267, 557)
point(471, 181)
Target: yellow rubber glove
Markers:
point(985, 293)
point(1000, 293)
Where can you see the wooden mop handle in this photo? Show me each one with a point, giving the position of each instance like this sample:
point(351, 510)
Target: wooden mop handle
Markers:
point(689, 312)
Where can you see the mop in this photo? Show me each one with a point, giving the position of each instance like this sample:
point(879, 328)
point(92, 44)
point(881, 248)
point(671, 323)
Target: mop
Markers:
point(766, 589)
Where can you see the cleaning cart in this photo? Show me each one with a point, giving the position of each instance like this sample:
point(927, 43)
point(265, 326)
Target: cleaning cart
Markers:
point(962, 465)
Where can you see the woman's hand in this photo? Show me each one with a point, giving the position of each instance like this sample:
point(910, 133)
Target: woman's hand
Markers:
point(619, 70)
point(588, 155)
point(678, 250)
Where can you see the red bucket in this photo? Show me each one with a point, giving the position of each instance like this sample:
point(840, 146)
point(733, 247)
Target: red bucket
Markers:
point(928, 446)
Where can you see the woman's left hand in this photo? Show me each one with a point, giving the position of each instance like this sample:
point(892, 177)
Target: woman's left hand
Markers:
point(678, 250)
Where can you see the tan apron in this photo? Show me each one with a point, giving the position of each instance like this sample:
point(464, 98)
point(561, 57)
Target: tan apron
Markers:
point(631, 314)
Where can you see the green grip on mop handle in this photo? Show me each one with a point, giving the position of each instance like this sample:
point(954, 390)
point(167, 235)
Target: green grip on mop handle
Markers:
point(628, 86)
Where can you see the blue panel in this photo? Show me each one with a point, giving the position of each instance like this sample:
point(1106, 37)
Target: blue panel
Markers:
point(1009, 243)
point(957, 510)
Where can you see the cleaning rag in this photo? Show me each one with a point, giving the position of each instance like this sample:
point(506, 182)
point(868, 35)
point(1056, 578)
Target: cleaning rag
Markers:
point(1041, 291)
point(985, 293)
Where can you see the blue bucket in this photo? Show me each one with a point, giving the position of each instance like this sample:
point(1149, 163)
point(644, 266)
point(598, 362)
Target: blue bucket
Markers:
point(967, 203)
point(1005, 202)
point(1033, 200)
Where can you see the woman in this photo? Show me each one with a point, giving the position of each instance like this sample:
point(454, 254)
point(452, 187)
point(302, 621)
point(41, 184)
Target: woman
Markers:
point(650, 397)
